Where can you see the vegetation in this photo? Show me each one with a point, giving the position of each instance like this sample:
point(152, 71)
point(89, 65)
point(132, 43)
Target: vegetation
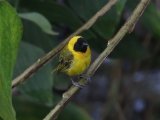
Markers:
point(125, 86)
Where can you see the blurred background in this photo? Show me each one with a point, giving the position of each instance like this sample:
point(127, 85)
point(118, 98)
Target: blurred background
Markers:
point(127, 84)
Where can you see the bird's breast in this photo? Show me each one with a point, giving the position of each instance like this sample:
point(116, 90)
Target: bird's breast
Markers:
point(79, 65)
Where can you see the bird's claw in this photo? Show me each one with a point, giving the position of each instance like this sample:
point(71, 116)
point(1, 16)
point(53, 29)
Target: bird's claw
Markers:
point(77, 84)
point(86, 81)
point(85, 77)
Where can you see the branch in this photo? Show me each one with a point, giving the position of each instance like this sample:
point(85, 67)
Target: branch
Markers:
point(41, 61)
point(111, 45)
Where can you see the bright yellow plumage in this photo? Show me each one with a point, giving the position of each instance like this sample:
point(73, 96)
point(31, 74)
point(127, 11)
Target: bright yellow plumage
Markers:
point(75, 57)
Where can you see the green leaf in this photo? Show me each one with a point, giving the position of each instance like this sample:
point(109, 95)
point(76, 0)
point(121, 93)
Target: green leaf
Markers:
point(61, 14)
point(40, 20)
point(151, 20)
point(34, 35)
point(10, 35)
point(107, 24)
point(38, 88)
point(27, 110)
point(53, 11)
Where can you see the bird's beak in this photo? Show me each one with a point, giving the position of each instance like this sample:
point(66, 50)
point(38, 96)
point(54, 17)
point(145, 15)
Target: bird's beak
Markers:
point(85, 44)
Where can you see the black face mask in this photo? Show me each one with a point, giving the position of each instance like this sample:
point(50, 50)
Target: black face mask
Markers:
point(81, 45)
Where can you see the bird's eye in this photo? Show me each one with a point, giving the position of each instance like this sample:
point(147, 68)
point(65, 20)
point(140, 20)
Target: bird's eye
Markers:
point(81, 45)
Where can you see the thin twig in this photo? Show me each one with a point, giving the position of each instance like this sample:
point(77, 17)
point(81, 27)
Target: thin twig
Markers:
point(111, 45)
point(40, 62)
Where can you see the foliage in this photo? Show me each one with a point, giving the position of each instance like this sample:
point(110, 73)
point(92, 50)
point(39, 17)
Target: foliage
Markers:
point(10, 35)
point(45, 24)
point(39, 93)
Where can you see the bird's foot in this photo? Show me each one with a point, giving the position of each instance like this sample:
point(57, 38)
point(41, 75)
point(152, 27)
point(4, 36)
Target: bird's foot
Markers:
point(77, 84)
point(86, 78)
point(82, 84)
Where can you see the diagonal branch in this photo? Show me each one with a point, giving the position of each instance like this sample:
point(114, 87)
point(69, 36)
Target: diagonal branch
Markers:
point(130, 23)
point(41, 61)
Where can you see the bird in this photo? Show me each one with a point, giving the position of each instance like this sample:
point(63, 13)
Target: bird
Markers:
point(74, 58)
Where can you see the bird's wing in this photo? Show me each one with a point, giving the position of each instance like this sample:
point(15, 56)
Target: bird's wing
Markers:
point(65, 60)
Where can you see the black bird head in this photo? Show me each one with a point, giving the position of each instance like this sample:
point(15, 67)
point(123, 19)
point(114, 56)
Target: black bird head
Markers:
point(81, 45)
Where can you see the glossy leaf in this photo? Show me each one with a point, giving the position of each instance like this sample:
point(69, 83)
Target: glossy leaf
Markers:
point(10, 35)
point(40, 20)
point(54, 12)
point(107, 24)
point(61, 15)
point(39, 87)
point(34, 35)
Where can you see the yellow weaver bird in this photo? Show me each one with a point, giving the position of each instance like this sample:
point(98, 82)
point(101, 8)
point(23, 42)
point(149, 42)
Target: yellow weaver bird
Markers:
point(75, 57)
